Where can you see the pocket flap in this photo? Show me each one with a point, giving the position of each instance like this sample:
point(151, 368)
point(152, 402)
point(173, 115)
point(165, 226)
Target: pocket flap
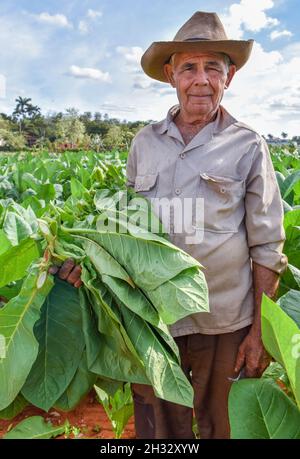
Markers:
point(145, 182)
point(223, 184)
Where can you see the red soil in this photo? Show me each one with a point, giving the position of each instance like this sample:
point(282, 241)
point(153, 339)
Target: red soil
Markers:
point(89, 418)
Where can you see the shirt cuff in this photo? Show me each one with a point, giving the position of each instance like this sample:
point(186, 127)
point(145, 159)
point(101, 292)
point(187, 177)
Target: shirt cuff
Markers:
point(270, 257)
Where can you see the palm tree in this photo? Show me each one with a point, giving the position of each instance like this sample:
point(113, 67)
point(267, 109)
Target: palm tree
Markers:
point(23, 109)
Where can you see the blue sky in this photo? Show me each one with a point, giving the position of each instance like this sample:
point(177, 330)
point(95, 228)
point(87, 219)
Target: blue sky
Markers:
point(85, 54)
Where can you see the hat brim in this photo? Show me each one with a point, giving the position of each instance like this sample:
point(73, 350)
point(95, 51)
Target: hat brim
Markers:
point(159, 53)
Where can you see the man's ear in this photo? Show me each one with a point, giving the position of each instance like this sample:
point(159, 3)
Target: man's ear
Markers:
point(230, 75)
point(168, 71)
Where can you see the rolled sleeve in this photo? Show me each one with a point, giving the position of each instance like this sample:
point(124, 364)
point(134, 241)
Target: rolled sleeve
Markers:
point(264, 212)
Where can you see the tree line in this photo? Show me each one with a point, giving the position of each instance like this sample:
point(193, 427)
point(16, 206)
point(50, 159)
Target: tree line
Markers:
point(27, 127)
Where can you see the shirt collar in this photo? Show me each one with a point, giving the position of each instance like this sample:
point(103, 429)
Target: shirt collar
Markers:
point(221, 122)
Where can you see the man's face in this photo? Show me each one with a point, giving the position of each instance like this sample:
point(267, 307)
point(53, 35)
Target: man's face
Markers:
point(200, 80)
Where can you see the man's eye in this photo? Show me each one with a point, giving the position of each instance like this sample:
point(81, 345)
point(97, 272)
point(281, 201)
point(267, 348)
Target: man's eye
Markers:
point(214, 69)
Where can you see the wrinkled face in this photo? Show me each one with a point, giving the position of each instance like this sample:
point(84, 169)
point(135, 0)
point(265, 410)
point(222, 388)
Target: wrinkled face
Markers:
point(200, 80)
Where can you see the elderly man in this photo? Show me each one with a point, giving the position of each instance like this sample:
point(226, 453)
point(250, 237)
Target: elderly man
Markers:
point(200, 150)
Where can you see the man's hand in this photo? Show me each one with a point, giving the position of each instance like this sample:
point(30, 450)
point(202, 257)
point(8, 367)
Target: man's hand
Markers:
point(252, 356)
point(69, 272)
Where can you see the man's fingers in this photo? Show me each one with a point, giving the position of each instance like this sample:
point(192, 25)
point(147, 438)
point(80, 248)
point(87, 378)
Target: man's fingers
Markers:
point(78, 283)
point(69, 271)
point(74, 275)
point(53, 269)
point(240, 360)
point(66, 269)
point(255, 371)
point(251, 372)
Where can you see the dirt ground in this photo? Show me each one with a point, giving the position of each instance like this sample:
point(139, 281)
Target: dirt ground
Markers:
point(89, 419)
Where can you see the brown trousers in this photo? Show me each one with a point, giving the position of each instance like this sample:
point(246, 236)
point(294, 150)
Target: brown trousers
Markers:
point(207, 361)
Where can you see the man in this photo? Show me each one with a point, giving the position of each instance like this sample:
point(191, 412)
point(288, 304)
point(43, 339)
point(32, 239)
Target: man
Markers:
point(200, 151)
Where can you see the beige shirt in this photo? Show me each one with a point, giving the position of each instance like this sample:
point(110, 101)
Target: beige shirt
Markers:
point(228, 165)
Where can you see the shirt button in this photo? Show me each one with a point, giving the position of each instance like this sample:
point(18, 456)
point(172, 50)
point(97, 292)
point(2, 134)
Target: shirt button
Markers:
point(182, 155)
point(177, 190)
point(283, 259)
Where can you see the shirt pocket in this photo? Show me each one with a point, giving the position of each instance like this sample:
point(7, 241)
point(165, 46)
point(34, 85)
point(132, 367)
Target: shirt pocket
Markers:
point(223, 202)
point(146, 185)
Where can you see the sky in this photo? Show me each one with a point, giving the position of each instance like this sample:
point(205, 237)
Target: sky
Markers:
point(86, 54)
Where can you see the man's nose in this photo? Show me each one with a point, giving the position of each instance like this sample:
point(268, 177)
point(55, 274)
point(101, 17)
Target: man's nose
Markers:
point(201, 77)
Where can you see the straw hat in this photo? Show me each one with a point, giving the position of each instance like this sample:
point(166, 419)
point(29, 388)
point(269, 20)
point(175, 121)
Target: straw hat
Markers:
point(201, 33)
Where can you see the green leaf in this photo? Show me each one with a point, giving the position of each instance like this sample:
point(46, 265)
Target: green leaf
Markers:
point(108, 353)
point(16, 228)
point(162, 369)
point(80, 385)
point(17, 320)
point(104, 262)
point(289, 280)
point(14, 408)
point(295, 273)
point(34, 428)
point(78, 190)
point(61, 343)
point(185, 294)
point(47, 192)
point(289, 183)
point(258, 409)
point(118, 408)
point(281, 338)
point(30, 181)
point(11, 290)
point(5, 244)
point(15, 261)
point(134, 299)
point(148, 263)
point(109, 386)
point(290, 304)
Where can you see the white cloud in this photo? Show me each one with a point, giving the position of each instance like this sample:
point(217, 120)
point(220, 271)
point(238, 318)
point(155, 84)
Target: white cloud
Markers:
point(291, 50)
point(278, 34)
point(132, 55)
point(59, 20)
point(248, 15)
point(93, 14)
point(266, 92)
point(261, 61)
point(89, 73)
point(114, 108)
point(83, 27)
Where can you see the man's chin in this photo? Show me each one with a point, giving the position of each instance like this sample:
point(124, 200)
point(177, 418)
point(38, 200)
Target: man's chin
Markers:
point(200, 109)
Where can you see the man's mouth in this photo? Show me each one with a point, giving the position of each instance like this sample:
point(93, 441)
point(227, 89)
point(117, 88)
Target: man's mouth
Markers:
point(200, 95)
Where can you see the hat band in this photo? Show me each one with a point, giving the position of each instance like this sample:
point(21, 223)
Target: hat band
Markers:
point(197, 39)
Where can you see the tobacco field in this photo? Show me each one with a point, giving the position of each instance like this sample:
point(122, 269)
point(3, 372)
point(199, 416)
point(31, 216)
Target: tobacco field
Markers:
point(59, 343)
